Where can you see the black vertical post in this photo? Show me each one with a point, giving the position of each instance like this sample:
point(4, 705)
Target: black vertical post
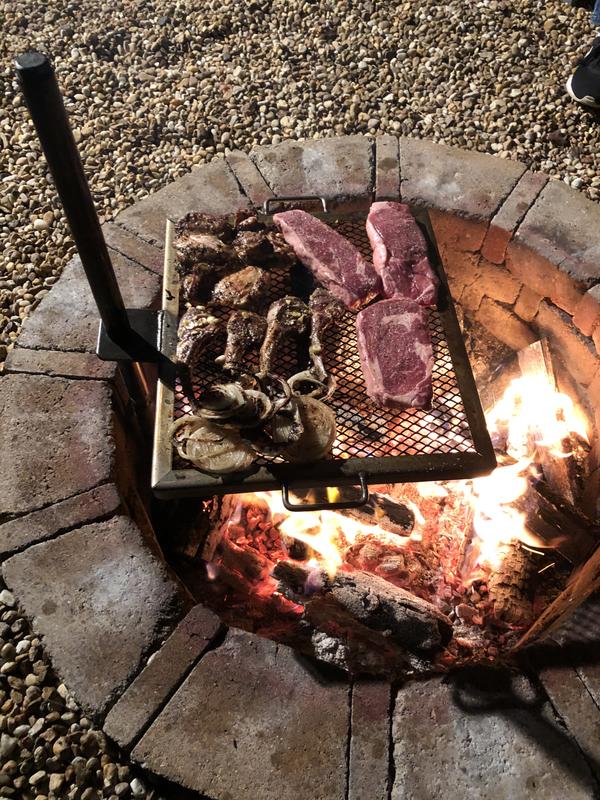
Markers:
point(47, 110)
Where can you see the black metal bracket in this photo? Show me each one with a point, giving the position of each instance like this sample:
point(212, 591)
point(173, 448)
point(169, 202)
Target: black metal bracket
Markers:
point(141, 343)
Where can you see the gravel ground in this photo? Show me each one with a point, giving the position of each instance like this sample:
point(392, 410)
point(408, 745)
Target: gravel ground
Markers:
point(154, 87)
point(48, 749)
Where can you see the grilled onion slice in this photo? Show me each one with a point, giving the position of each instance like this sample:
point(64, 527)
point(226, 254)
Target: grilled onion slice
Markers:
point(211, 448)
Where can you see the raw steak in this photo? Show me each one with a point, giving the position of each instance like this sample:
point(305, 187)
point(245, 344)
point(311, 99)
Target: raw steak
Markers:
point(334, 261)
point(395, 353)
point(400, 254)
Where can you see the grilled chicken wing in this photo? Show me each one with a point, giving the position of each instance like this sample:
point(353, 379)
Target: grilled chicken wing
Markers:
point(245, 331)
point(287, 317)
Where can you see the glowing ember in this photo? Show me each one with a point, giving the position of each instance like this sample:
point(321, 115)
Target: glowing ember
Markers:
point(452, 544)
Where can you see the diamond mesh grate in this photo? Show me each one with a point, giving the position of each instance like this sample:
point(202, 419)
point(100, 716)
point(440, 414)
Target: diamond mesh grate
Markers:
point(364, 429)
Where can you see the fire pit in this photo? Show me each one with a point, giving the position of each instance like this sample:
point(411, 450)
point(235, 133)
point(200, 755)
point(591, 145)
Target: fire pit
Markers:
point(425, 577)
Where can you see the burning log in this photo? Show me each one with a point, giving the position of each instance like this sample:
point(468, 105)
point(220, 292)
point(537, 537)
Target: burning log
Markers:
point(389, 514)
point(560, 470)
point(359, 599)
point(510, 586)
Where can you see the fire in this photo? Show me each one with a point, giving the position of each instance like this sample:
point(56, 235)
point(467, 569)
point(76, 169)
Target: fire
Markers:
point(328, 533)
point(530, 417)
point(534, 415)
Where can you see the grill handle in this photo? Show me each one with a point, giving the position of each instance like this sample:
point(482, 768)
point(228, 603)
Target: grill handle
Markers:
point(47, 110)
point(294, 199)
point(326, 506)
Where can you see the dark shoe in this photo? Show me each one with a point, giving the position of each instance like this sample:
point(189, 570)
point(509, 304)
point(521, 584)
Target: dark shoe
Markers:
point(584, 83)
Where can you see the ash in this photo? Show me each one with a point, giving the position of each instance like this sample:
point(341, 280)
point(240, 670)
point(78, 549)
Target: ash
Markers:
point(408, 597)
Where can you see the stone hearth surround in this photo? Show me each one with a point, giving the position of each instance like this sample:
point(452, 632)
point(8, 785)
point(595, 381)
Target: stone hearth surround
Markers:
point(190, 700)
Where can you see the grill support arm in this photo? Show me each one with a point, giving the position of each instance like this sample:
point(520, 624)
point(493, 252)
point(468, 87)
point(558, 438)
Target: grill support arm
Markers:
point(124, 334)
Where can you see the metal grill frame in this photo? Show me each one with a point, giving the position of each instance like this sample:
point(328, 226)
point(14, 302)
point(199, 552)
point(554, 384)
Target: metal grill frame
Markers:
point(170, 482)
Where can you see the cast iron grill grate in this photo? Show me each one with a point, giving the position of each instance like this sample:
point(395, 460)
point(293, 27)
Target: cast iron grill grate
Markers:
point(364, 429)
point(449, 440)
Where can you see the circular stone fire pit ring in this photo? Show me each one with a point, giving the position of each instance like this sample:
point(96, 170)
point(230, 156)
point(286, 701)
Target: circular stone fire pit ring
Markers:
point(227, 713)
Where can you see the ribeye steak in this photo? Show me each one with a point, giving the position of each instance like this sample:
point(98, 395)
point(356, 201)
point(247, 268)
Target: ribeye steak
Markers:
point(400, 253)
point(334, 260)
point(395, 352)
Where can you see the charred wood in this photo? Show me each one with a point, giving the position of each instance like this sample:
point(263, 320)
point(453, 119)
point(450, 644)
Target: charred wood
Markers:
point(367, 600)
point(391, 515)
point(510, 586)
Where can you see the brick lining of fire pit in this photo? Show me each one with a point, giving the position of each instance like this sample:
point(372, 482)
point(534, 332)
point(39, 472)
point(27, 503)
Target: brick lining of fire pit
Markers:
point(224, 712)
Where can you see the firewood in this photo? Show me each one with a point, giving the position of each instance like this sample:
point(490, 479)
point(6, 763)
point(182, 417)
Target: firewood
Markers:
point(536, 361)
point(560, 526)
point(391, 515)
point(509, 586)
point(359, 598)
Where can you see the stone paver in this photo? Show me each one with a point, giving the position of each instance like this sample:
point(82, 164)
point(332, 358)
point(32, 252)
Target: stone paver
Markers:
point(339, 168)
point(60, 364)
point(67, 318)
point(456, 234)
point(369, 745)
point(131, 246)
point(560, 226)
point(510, 214)
point(497, 282)
point(387, 168)
point(505, 325)
point(577, 708)
point(454, 742)
point(587, 313)
point(461, 182)
point(577, 351)
point(212, 189)
point(252, 182)
point(528, 303)
point(16, 534)
point(252, 721)
point(100, 600)
point(163, 673)
point(55, 440)
point(543, 277)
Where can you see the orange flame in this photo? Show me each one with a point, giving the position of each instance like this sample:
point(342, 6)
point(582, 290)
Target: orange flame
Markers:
point(531, 415)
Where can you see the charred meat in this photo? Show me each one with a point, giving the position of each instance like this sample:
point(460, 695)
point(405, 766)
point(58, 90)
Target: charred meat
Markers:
point(202, 238)
point(265, 248)
point(245, 331)
point(196, 248)
point(197, 222)
point(247, 288)
point(288, 318)
point(252, 247)
point(198, 284)
point(327, 312)
point(196, 328)
point(283, 253)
